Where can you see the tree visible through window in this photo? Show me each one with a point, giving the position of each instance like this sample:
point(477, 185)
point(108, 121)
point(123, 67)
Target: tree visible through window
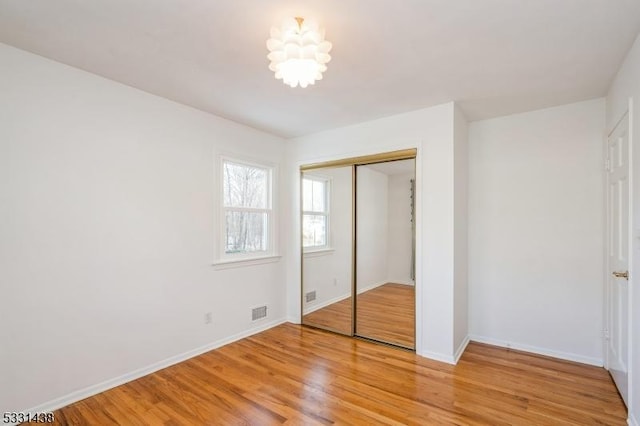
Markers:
point(247, 208)
point(315, 212)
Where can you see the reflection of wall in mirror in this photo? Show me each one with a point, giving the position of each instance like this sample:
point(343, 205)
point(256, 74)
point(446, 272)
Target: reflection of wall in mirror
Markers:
point(384, 229)
point(400, 239)
point(328, 273)
point(372, 228)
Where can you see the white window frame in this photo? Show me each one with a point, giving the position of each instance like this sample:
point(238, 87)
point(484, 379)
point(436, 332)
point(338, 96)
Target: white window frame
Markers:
point(256, 257)
point(327, 213)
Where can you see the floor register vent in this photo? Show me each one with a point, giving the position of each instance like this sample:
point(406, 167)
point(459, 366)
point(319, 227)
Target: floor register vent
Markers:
point(258, 313)
point(311, 296)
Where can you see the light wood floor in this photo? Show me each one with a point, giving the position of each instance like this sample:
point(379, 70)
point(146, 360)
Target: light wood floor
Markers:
point(385, 313)
point(297, 375)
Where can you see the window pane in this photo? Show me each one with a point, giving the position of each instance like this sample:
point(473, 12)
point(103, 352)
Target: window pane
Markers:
point(307, 185)
point(318, 196)
point(245, 186)
point(314, 230)
point(245, 232)
point(314, 195)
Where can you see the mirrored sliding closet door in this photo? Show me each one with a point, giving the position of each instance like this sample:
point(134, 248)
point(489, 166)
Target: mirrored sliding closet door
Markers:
point(385, 287)
point(327, 249)
point(358, 247)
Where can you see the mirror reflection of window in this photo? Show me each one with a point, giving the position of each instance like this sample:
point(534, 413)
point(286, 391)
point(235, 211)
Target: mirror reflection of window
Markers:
point(315, 213)
point(327, 255)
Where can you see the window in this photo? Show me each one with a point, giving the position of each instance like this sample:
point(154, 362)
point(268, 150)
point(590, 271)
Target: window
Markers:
point(247, 210)
point(315, 213)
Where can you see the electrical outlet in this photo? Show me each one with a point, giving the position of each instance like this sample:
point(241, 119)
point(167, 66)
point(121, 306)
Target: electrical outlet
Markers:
point(335, 282)
point(208, 318)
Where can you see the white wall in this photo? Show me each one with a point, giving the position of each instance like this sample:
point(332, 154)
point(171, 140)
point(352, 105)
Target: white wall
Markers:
point(625, 89)
point(535, 231)
point(461, 178)
point(329, 272)
point(107, 235)
point(371, 232)
point(429, 130)
point(399, 234)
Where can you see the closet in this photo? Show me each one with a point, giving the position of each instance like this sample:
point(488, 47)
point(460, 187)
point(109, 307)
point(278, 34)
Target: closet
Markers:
point(358, 247)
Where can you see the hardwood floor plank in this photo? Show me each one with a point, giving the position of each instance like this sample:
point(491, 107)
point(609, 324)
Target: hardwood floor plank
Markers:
point(385, 313)
point(296, 375)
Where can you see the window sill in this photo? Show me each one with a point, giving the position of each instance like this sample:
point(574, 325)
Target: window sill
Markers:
point(240, 263)
point(318, 253)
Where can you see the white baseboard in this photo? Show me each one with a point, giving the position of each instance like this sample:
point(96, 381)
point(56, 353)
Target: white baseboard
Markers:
point(463, 346)
point(598, 362)
point(435, 356)
point(78, 395)
point(449, 359)
point(403, 282)
point(294, 320)
point(313, 308)
point(371, 287)
point(632, 420)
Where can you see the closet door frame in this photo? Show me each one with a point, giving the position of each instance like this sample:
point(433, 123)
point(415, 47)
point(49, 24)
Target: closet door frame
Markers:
point(405, 154)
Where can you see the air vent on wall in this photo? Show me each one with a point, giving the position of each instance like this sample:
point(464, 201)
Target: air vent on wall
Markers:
point(258, 313)
point(311, 296)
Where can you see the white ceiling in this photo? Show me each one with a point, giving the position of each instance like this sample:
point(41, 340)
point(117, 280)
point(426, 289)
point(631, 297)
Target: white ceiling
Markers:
point(494, 57)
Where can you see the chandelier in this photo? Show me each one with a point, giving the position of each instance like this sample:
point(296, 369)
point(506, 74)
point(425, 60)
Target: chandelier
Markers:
point(298, 52)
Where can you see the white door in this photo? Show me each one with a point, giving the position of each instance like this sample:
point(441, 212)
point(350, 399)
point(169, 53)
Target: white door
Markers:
point(618, 247)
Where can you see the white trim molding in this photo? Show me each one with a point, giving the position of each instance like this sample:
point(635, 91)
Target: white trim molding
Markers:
point(317, 253)
point(435, 356)
point(238, 263)
point(371, 286)
point(403, 282)
point(632, 421)
point(598, 362)
point(449, 359)
point(463, 346)
point(293, 320)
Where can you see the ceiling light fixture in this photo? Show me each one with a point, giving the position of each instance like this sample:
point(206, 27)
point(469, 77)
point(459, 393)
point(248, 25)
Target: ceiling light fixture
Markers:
point(298, 52)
